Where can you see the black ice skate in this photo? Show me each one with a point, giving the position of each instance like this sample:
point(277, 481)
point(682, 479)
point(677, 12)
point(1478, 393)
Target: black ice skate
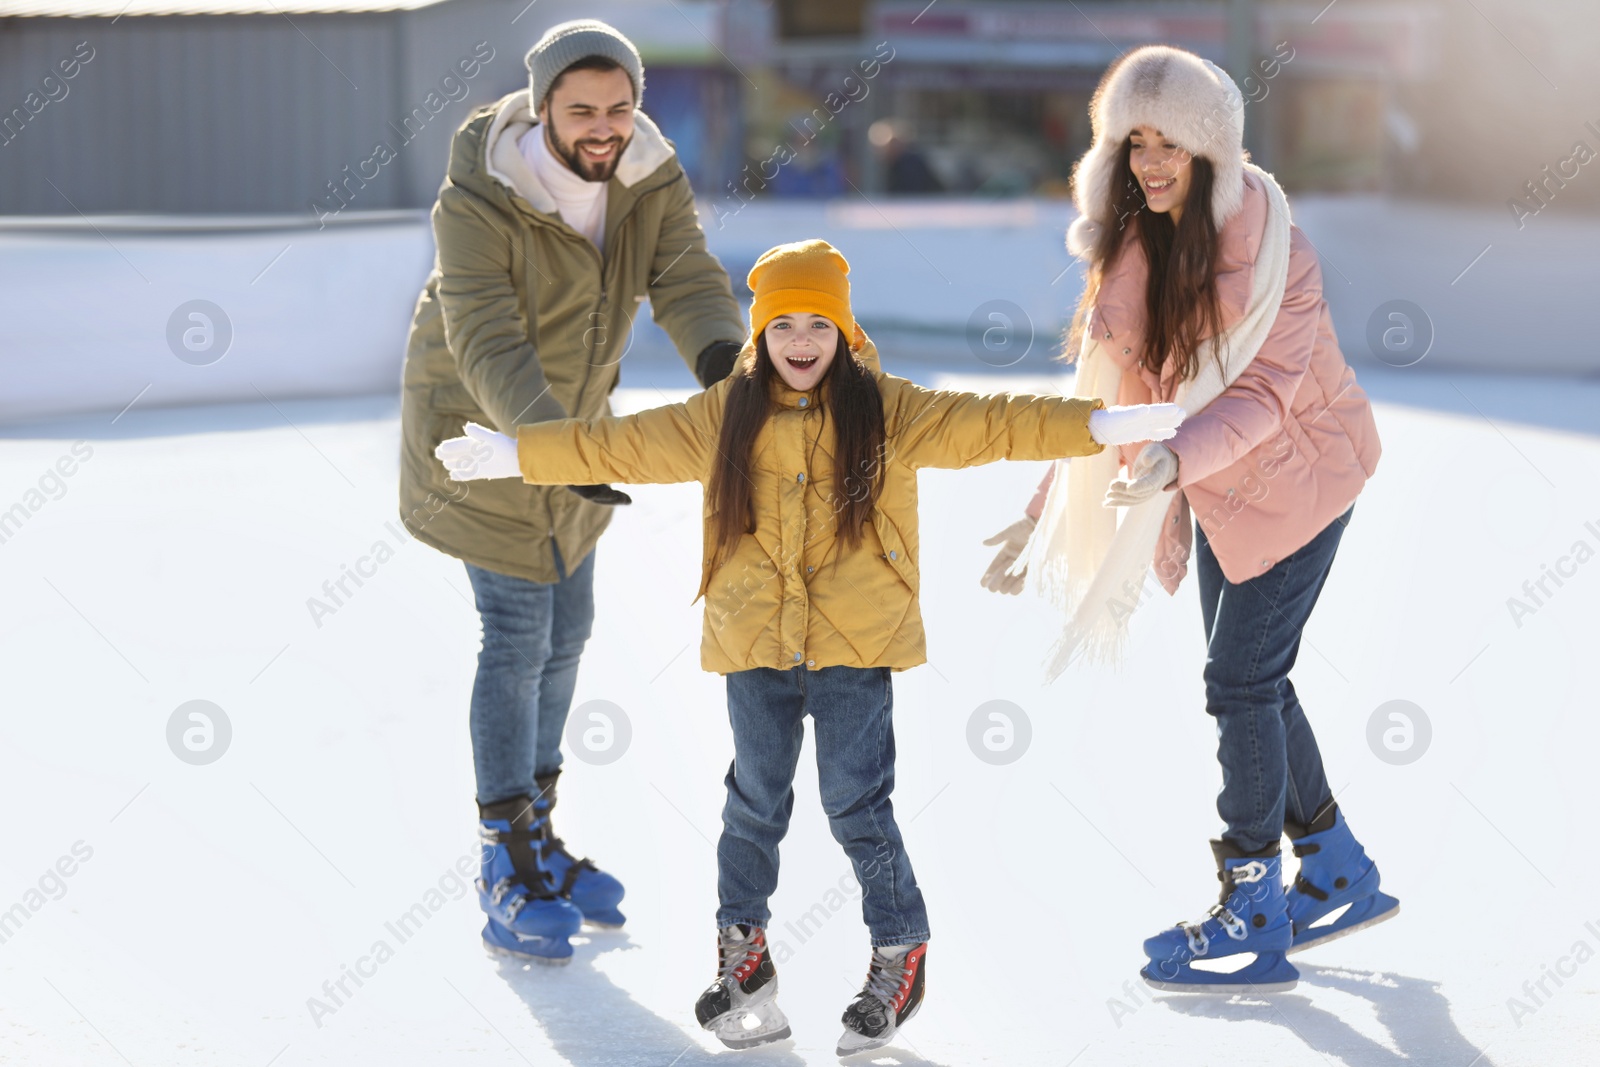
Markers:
point(891, 996)
point(741, 1006)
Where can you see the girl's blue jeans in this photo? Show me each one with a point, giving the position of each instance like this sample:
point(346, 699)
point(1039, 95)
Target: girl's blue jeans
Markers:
point(851, 710)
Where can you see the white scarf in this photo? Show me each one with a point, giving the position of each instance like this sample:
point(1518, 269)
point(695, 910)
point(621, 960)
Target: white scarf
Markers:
point(1079, 557)
point(581, 203)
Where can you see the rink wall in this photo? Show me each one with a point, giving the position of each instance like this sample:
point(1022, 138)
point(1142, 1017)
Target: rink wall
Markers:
point(101, 311)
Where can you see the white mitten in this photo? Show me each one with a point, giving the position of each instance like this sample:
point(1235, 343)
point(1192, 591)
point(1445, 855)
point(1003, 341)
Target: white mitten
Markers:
point(1135, 422)
point(1012, 540)
point(482, 453)
point(1153, 470)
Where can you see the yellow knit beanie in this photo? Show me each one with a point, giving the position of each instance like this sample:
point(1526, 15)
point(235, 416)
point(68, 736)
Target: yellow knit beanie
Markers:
point(803, 277)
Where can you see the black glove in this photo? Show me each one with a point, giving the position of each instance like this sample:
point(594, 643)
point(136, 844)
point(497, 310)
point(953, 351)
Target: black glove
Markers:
point(602, 494)
point(716, 361)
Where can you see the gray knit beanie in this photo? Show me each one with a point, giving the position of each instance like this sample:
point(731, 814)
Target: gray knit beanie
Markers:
point(565, 44)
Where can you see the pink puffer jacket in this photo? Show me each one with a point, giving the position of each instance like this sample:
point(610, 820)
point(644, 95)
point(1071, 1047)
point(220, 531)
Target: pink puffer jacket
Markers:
point(1285, 449)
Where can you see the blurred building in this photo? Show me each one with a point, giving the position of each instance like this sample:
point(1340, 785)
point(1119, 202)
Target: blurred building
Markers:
point(994, 94)
point(316, 106)
point(283, 106)
point(1416, 97)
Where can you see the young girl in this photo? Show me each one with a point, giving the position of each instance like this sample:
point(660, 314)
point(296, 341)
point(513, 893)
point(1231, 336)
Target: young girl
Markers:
point(809, 456)
point(1201, 290)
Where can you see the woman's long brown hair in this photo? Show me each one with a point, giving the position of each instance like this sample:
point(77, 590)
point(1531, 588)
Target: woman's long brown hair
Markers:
point(1182, 311)
point(856, 407)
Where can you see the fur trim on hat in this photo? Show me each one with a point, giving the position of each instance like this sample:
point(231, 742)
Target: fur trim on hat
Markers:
point(1191, 100)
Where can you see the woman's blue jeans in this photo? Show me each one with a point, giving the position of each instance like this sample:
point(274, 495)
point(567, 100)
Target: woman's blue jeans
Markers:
point(533, 634)
point(1269, 756)
point(851, 710)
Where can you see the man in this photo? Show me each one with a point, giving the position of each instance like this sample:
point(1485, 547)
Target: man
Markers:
point(562, 209)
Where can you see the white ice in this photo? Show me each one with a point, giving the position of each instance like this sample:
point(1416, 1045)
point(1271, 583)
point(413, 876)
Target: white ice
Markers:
point(177, 564)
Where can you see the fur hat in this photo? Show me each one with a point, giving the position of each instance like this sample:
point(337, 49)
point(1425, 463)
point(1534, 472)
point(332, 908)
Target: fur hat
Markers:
point(1191, 100)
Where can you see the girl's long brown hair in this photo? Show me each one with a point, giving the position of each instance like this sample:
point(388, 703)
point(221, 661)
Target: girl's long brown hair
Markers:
point(1182, 311)
point(856, 408)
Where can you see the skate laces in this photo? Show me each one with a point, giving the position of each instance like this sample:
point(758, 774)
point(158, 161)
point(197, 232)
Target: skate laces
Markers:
point(738, 955)
point(887, 978)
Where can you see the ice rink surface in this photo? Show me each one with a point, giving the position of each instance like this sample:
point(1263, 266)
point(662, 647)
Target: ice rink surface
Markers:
point(210, 909)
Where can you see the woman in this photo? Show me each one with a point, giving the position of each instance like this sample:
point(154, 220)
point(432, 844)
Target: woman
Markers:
point(809, 456)
point(1200, 290)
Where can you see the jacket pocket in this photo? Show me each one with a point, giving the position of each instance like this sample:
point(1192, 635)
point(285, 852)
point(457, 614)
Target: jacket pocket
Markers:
point(894, 550)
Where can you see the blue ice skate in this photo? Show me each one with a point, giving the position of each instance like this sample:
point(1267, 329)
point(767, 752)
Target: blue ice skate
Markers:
point(592, 891)
point(1251, 916)
point(516, 888)
point(1334, 872)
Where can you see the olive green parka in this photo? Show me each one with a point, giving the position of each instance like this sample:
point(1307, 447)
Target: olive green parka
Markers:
point(791, 593)
point(523, 320)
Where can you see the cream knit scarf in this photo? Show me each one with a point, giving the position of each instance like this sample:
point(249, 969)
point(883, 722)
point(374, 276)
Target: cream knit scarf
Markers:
point(1079, 556)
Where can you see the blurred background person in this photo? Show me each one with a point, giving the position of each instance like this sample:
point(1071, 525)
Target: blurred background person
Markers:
point(906, 169)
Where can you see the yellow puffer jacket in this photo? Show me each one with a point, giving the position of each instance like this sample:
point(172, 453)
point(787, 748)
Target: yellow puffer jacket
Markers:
point(791, 594)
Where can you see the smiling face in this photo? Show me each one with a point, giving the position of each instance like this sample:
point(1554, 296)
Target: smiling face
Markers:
point(588, 121)
point(801, 347)
point(1162, 169)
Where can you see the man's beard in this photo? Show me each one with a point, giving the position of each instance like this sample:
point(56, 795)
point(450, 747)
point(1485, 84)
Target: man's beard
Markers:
point(588, 169)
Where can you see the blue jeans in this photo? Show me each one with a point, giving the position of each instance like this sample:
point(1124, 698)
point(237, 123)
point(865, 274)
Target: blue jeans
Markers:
point(1269, 756)
point(851, 710)
point(533, 634)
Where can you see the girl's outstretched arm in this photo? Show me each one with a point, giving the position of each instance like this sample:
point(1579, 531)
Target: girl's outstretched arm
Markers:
point(946, 428)
point(949, 428)
point(672, 443)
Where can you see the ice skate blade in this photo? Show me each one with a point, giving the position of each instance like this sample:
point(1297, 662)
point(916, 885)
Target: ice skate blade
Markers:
point(867, 1044)
point(1321, 935)
point(754, 1042)
point(1229, 989)
point(851, 1042)
point(522, 957)
point(1269, 972)
point(494, 938)
point(731, 1031)
point(598, 925)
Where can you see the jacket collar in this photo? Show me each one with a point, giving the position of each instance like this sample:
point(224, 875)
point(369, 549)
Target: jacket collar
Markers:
point(785, 396)
point(504, 162)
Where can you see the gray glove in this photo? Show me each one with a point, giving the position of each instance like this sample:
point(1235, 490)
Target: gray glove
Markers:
point(1153, 470)
point(1012, 540)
